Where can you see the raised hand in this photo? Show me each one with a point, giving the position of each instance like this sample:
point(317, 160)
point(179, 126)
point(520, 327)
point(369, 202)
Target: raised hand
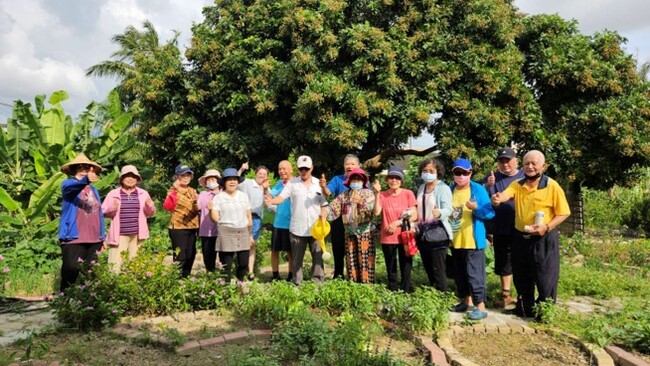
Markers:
point(322, 181)
point(92, 176)
point(376, 186)
point(491, 180)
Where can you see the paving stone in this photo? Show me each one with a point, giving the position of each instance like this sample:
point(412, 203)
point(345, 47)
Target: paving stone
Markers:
point(491, 329)
point(456, 329)
point(237, 337)
point(262, 334)
point(188, 348)
point(445, 343)
point(504, 329)
point(462, 361)
point(478, 328)
point(527, 330)
point(212, 342)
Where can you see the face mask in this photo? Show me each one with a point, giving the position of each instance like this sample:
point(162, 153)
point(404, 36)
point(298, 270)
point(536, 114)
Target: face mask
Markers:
point(461, 180)
point(429, 177)
point(356, 186)
point(533, 177)
point(212, 185)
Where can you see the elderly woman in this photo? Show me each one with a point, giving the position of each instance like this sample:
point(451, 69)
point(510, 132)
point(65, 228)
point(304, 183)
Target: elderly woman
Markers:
point(394, 204)
point(355, 207)
point(81, 228)
point(231, 210)
point(471, 208)
point(182, 202)
point(207, 228)
point(128, 207)
point(434, 209)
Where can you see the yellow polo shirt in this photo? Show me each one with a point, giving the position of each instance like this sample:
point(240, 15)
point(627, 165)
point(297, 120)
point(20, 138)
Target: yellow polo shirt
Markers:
point(548, 197)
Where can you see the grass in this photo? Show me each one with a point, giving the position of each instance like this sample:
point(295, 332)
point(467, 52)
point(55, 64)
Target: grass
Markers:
point(30, 282)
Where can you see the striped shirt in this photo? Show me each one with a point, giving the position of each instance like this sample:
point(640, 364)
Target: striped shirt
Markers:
point(129, 209)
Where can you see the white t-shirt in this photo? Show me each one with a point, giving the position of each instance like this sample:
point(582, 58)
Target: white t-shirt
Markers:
point(233, 210)
point(306, 202)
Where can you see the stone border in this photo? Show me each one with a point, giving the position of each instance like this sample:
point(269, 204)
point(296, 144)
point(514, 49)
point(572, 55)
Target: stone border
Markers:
point(601, 357)
point(127, 331)
point(624, 358)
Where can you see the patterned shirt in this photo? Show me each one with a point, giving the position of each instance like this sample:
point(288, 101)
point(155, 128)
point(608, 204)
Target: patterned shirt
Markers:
point(129, 209)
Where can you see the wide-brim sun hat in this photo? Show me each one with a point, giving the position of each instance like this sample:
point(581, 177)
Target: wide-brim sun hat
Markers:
point(359, 173)
point(80, 159)
point(130, 169)
point(209, 173)
point(229, 173)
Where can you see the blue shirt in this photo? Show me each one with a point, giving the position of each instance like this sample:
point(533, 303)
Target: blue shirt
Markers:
point(283, 210)
point(336, 186)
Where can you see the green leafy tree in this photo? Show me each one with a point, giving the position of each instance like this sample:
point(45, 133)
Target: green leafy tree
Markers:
point(267, 78)
point(595, 106)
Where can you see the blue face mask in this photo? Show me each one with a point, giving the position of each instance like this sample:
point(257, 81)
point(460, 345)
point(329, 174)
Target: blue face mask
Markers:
point(429, 177)
point(355, 186)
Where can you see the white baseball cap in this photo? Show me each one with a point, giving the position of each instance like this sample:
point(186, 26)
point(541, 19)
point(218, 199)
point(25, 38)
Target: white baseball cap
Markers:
point(304, 161)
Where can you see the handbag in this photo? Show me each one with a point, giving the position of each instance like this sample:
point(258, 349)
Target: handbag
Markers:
point(407, 238)
point(431, 232)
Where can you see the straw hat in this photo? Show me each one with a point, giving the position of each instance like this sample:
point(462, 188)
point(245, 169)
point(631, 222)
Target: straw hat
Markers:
point(81, 158)
point(130, 169)
point(208, 174)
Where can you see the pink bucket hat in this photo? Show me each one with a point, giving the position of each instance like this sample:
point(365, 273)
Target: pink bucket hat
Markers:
point(358, 172)
point(130, 169)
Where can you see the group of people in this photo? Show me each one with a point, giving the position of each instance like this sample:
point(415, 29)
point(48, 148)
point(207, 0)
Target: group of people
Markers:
point(522, 209)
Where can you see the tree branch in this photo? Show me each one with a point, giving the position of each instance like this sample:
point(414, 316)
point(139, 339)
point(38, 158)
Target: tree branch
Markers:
point(376, 161)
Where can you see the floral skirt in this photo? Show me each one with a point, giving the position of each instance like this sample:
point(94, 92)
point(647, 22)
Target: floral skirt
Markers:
point(360, 255)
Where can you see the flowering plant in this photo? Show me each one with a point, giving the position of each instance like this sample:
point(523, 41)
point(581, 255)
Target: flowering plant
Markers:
point(4, 273)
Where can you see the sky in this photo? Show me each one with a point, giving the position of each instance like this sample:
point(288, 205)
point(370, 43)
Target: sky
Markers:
point(47, 45)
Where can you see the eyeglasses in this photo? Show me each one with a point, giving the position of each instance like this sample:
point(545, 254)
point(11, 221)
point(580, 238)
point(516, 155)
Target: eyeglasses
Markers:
point(458, 173)
point(303, 169)
point(504, 160)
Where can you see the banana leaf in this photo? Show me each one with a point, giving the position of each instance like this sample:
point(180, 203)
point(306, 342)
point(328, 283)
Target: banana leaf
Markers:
point(10, 220)
point(7, 201)
point(41, 197)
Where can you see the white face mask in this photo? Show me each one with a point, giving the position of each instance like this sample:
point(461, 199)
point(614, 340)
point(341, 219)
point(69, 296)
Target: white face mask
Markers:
point(356, 186)
point(212, 185)
point(429, 177)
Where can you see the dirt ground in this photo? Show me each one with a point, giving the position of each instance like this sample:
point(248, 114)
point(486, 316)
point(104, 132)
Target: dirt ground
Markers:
point(520, 350)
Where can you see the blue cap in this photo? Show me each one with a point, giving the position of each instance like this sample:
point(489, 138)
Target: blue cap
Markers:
point(228, 173)
point(395, 171)
point(462, 164)
point(182, 169)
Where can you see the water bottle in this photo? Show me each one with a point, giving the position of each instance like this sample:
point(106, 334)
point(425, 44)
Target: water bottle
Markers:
point(539, 217)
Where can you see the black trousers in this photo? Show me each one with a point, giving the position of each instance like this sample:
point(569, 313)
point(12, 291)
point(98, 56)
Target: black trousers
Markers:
point(208, 249)
point(74, 258)
point(469, 273)
point(226, 259)
point(434, 261)
point(535, 263)
point(184, 242)
point(391, 254)
point(337, 236)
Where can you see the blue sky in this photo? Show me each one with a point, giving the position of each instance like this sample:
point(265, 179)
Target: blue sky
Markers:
point(47, 45)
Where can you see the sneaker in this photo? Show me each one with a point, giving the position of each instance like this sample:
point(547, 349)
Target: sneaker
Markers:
point(462, 308)
point(477, 314)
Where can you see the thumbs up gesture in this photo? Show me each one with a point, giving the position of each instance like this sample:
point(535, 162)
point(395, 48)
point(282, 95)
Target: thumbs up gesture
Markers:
point(491, 180)
point(322, 181)
point(376, 186)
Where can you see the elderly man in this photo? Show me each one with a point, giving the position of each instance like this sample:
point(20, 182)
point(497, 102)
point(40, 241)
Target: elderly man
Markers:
point(502, 226)
point(280, 238)
point(540, 207)
point(337, 235)
point(308, 204)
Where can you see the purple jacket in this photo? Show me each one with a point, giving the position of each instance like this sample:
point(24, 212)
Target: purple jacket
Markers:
point(108, 206)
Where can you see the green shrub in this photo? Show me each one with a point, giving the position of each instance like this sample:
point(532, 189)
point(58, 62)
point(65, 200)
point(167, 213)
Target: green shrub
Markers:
point(639, 216)
point(92, 302)
point(424, 310)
